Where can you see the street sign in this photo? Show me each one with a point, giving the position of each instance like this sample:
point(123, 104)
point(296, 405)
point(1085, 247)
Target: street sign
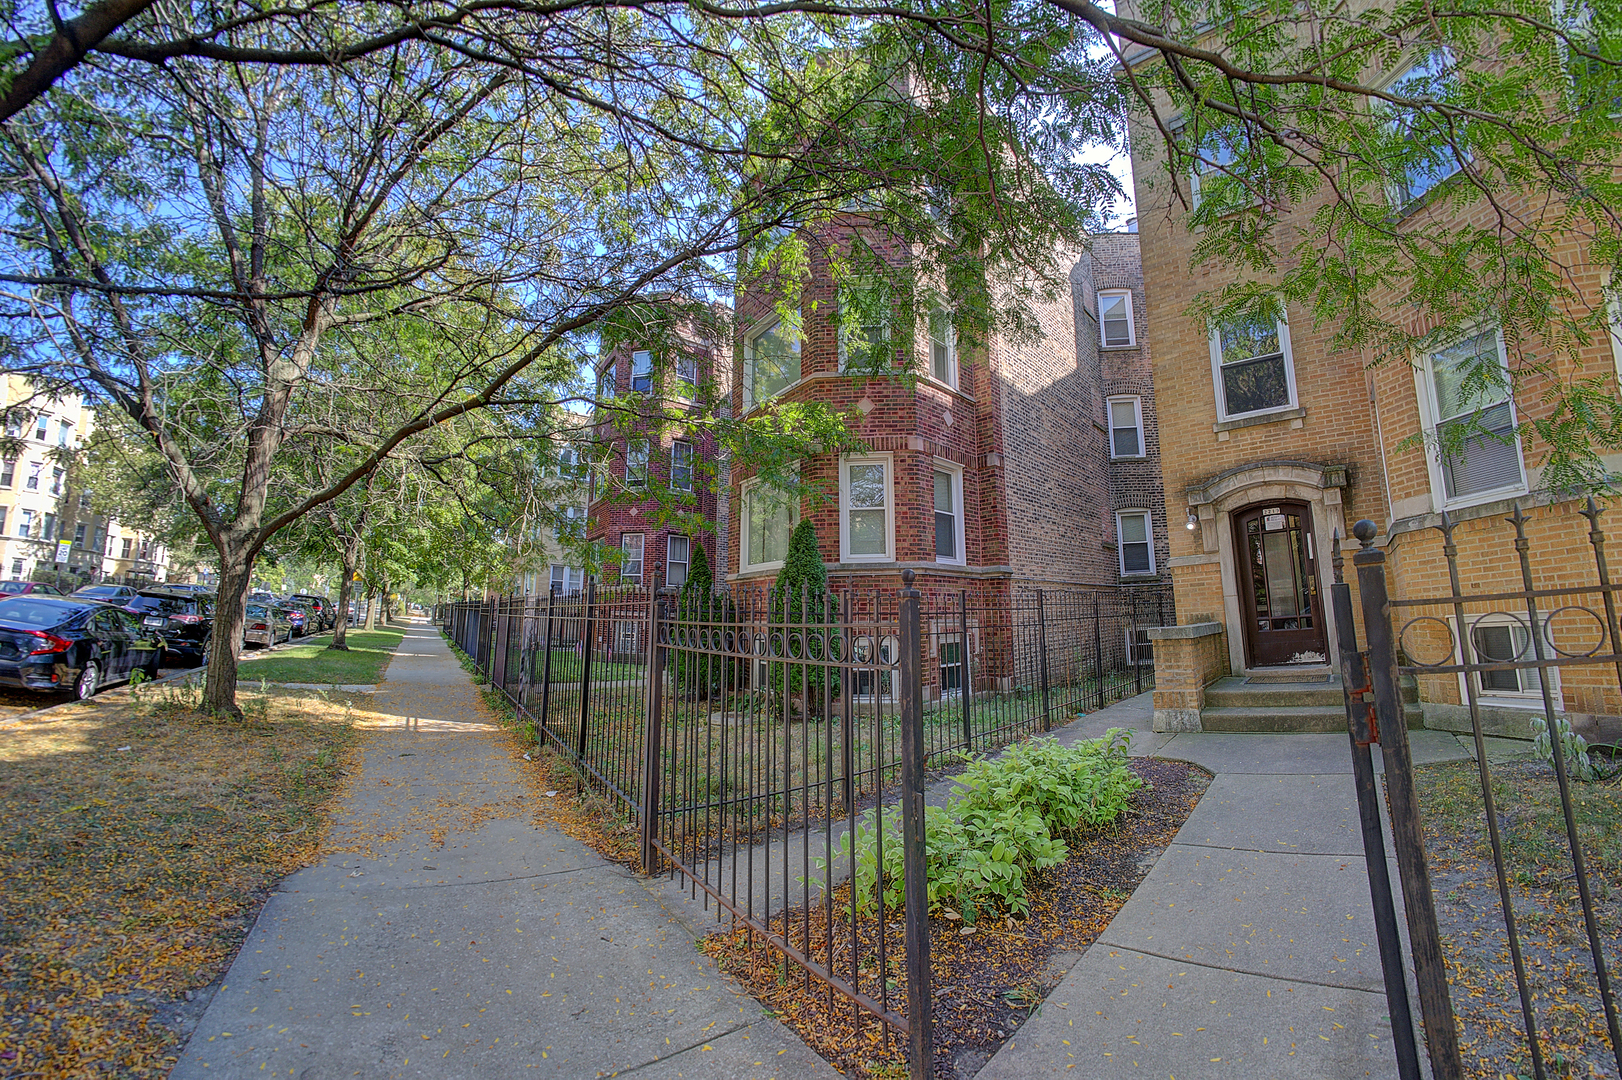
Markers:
point(63, 550)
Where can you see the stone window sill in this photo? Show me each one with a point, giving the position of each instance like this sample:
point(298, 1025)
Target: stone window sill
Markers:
point(1262, 418)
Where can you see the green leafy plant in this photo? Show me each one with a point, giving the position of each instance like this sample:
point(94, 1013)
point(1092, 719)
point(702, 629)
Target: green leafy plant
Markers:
point(1572, 745)
point(1006, 821)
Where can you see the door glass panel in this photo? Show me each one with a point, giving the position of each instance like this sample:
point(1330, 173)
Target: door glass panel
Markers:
point(1280, 569)
point(1279, 575)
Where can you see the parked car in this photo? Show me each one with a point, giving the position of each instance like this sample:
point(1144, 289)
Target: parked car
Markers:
point(52, 643)
point(185, 620)
point(28, 588)
point(265, 624)
point(116, 594)
point(295, 616)
point(317, 611)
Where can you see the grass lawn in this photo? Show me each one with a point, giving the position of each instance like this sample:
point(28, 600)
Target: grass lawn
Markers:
point(141, 839)
point(1560, 969)
point(313, 662)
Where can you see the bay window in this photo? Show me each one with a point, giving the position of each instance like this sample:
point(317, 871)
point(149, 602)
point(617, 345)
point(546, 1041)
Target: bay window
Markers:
point(1471, 418)
point(866, 500)
point(771, 364)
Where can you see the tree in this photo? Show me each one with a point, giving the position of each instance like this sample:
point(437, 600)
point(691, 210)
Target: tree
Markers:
point(798, 602)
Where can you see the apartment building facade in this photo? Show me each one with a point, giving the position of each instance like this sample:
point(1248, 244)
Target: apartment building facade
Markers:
point(982, 465)
point(1274, 440)
point(656, 486)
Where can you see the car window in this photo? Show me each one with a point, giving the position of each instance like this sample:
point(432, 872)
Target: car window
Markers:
point(27, 612)
point(13, 586)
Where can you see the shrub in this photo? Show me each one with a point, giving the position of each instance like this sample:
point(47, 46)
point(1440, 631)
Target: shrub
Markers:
point(697, 674)
point(1006, 821)
point(799, 596)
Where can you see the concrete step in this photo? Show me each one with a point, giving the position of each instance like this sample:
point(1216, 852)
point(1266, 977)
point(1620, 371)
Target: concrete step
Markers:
point(1238, 692)
point(1296, 718)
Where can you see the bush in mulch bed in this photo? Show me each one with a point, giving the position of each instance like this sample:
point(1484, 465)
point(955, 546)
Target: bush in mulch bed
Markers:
point(984, 983)
point(1560, 970)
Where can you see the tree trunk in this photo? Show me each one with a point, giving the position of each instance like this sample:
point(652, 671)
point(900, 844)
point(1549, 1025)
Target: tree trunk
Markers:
point(220, 683)
point(351, 559)
point(371, 611)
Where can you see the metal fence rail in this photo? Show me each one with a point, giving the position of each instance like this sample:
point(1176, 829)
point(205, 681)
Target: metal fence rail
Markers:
point(750, 733)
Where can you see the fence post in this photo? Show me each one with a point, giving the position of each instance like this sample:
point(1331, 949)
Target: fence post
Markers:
point(847, 719)
point(1098, 647)
point(1042, 656)
point(1355, 689)
point(653, 732)
point(546, 664)
point(590, 643)
point(920, 1042)
point(1430, 975)
point(963, 683)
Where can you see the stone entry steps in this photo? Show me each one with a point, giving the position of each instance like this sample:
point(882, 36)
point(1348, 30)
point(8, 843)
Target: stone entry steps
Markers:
point(1261, 702)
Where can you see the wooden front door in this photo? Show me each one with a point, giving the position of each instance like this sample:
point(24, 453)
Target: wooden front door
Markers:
point(1278, 585)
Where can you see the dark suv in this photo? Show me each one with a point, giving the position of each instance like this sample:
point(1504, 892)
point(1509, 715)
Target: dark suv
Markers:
point(317, 612)
point(185, 620)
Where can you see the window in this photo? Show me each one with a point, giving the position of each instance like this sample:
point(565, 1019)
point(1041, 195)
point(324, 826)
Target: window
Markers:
point(864, 502)
point(1115, 319)
point(50, 527)
point(14, 425)
point(42, 427)
point(677, 557)
point(1135, 539)
point(1590, 50)
point(56, 481)
point(636, 463)
point(681, 465)
point(572, 526)
point(771, 364)
point(16, 568)
point(950, 654)
point(605, 383)
point(84, 500)
point(3, 518)
point(1126, 427)
point(78, 534)
point(1251, 360)
point(942, 347)
point(1424, 156)
point(874, 677)
point(64, 433)
point(864, 328)
point(686, 373)
point(1501, 638)
point(1613, 311)
point(768, 519)
point(948, 514)
point(1473, 420)
point(567, 579)
point(34, 468)
point(1208, 180)
point(642, 372)
point(8, 472)
point(25, 523)
point(127, 545)
point(631, 564)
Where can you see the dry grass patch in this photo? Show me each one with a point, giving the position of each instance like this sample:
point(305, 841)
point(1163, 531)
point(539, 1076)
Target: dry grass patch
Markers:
point(140, 841)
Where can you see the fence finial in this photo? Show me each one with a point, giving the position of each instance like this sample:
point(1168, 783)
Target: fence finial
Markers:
point(1366, 531)
point(907, 578)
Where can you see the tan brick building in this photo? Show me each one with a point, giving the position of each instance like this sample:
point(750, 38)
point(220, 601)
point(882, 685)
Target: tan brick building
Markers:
point(1273, 440)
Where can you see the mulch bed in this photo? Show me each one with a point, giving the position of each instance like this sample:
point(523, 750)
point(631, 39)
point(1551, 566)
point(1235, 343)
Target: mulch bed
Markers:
point(985, 985)
point(1571, 1021)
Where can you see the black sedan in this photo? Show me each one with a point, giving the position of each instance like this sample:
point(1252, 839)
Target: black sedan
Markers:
point(184, 620)
point(113, 594)
point(49, 644)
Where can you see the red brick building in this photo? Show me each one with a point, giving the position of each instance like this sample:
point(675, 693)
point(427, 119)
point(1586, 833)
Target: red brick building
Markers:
point(657, 491)
point(983, 464)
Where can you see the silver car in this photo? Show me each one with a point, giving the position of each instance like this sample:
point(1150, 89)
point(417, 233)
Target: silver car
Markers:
point(265, 624)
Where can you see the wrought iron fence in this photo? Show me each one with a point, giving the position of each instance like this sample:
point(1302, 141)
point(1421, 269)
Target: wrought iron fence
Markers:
point(750, 734)
point(1554, 651)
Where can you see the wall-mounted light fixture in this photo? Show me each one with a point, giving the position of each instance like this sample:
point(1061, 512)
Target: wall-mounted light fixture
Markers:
point(1193, 520)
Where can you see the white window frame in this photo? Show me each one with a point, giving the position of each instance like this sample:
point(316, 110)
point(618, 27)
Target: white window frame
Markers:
point(844, 333)
point(1110, 426)
point(607, 382)
point(753, 336)
point(1425, 387)
point(636, 451)
point(1120, 540)
point(1131, 329)
point(42, 427)
point(888, 461)
point(1613, 320)
point(955, 471)
point(675, 467)
point(686, 374)
point(8, 472)
point(16, 568)
point(962, 665)
point(1529, 698)
point(948, 341)
point(31, 483)
point(642, 368)
point(670, 558)
point(1398, 196)
point(1215, 342)
point(25, 523)
point(747, 494)
point(641, 558)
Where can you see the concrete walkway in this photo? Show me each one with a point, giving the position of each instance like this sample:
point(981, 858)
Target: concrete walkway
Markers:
point(446, 935)
point(1249, 949)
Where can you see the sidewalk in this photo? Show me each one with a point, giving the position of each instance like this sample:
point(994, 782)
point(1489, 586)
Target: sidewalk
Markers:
point(1249, 949)
point(446, 935)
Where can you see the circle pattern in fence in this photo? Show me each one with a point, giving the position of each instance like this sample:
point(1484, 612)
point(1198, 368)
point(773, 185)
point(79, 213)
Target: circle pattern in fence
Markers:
point(1420, 639)
point(1575, 626)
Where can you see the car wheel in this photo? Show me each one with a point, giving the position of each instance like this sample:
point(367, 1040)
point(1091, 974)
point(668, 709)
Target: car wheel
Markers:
point(202, 650)
point(89, 681)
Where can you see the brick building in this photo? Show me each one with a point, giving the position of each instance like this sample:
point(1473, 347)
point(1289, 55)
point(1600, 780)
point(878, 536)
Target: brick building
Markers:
point(983, 464)
point(1274, 439)
point(657, 488)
